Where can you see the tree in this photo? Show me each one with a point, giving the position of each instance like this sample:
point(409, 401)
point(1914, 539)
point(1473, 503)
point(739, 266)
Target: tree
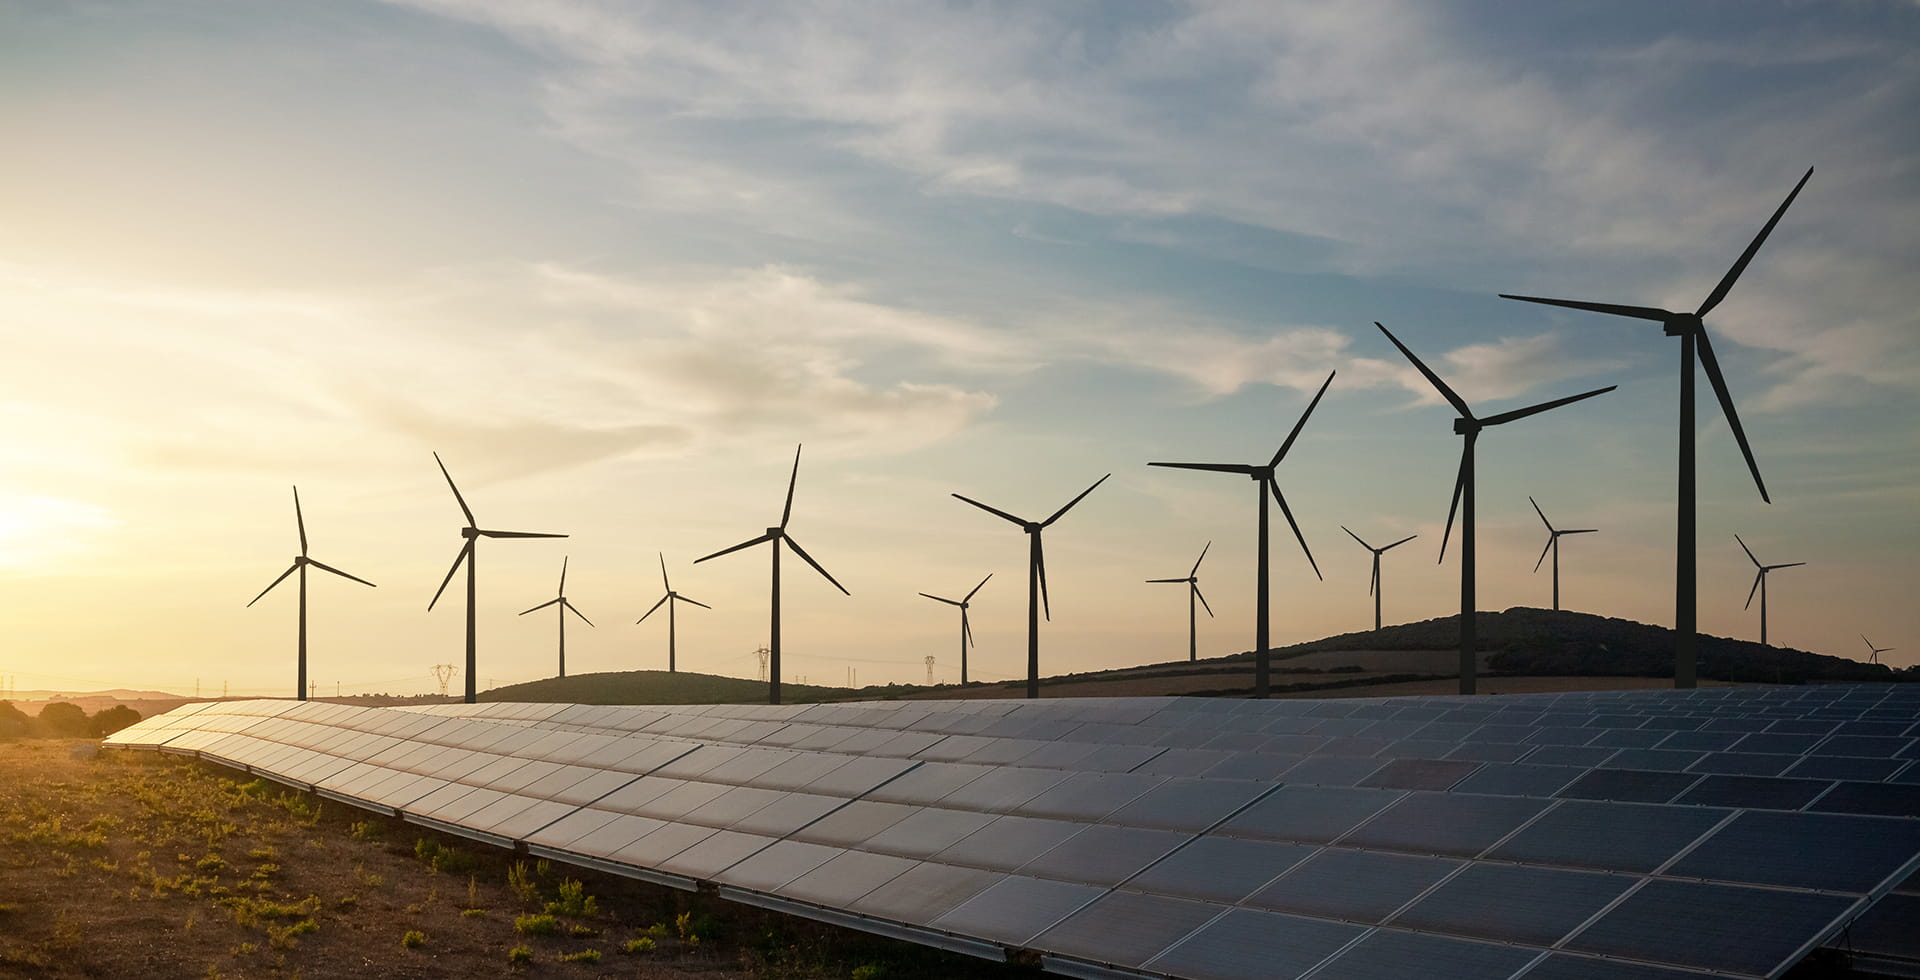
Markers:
point(113, 719)
point(63, 720)
point(14, 723)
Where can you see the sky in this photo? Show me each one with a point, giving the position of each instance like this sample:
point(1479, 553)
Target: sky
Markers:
point(615, 261)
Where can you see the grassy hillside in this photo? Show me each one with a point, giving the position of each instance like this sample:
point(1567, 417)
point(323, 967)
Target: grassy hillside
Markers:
point(658, 687)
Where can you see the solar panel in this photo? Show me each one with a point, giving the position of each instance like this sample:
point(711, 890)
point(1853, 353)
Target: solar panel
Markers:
point(1580, 836)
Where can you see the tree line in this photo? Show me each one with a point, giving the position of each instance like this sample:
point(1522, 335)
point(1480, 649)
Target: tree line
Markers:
point(64, 720)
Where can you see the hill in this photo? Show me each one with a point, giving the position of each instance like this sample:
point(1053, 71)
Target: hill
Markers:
point(658, 687)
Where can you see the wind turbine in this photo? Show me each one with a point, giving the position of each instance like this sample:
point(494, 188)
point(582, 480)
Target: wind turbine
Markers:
point(1874, 657)
point(300, 563)
point(1193, 592)
point(1036, 578)
point(560, 600)
point(775, 536)
point(473, 533)
point(1262, 477)
point(1692, 331)
point(1760, 585)
point(966, 631)
point(1553, 545)
point(1468, 428)
point(1374, 588)
point(668, 600)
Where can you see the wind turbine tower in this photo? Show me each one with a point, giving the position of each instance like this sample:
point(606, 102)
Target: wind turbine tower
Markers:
point(1192, 582)
point(1553, 545)
point(301, 689)
point(1760, 585)
point(668, 600)
point(966, 630)
point(562, 608)
point(1374, 589)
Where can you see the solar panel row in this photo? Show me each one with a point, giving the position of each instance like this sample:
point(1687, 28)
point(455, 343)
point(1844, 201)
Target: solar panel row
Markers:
point(1048, 825)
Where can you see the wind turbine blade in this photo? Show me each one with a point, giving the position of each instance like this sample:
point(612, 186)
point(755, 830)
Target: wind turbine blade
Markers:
point(1197, 594)
point(694, 601)
point(787, 512)
point(1520, 413)
point(1155, 581)
point(1400, 542)
point(977, 588)
point(568, 606)
point(1757, 577)
point(519, 534)
point(966, 629)
point(1543, 553)
point(462, 501)
point(936, 598)
point(802, 552)
point(1719, 382)
point(1580, 530)
point(1069, 506)
point(1196, 562)
point(563, 575)
point(466, 552)
point(656, 607)
point(282, 578)
point(744, 544)
point(1726, 283)
point(300, 521)
point(543, 605)
point(663, 572)
point(1040, 568)
point(1373, 582)
point(1637, 312)
point(1791, 564)
point(993, 510)
point(1749, 551)
point(1869, 643)
point(1543, 514)
point(1455, 400)
point(1459, 484)
point(1297, 426)
point(329, 568)
point(1297, 536)
point(1356, 537)
point(1241, 468)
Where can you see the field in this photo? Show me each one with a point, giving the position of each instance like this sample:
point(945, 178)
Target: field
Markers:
point(119, 864)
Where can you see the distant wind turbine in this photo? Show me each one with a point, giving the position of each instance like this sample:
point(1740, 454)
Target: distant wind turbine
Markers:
point(1193, 592)
point(1692, 331)
point(1374, 588)
point(473, 533)
point(776, 536)
point(1468, 428)
point(1262, 477)
point(1036, 577)
point(560, 600)
point(300, 563)
point(1760, 585)
point(668, 600)
point(1874, 656)
point(966, 631)
point(1553, 545)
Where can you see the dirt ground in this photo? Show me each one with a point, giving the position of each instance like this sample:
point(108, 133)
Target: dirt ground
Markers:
point(132, 864)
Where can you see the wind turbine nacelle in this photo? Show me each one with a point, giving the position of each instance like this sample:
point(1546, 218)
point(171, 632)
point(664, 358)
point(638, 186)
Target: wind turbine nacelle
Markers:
point(1465, 427)
point(774, 532)
point(469, 532)
point(1031, 528)
point(1681, 324)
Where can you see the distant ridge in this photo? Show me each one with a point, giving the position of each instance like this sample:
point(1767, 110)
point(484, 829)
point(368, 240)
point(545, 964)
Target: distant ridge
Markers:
point(1541, 642)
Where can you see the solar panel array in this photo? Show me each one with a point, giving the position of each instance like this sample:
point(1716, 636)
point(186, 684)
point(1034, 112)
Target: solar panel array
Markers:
point(1582, 836)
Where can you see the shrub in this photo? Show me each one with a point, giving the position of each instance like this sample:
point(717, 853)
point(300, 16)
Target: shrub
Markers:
point(14, 723)
point(520, 955)
point(574, 901)
point(112, 720)
point(413, 939)
point(868, 971)
point(641, 945)
point(521, 881)
point(584, 956)
point(63, 720)
point(369, 830)
point(536, 925)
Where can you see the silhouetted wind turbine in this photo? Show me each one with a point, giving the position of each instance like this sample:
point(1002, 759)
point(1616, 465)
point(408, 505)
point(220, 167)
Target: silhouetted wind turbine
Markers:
point(1553, 545)
point(668, 600)
point(1691, 330)
point(966, 631)
point(473, 534)
point(1874, 657)
point(1193, 592)
point(1760, 585)
point(1036, 578)
point(560, 600)
point(300, 563)
point(1262, 477)
point(1374, 588)
point(1468, 427)
point(775, 536)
